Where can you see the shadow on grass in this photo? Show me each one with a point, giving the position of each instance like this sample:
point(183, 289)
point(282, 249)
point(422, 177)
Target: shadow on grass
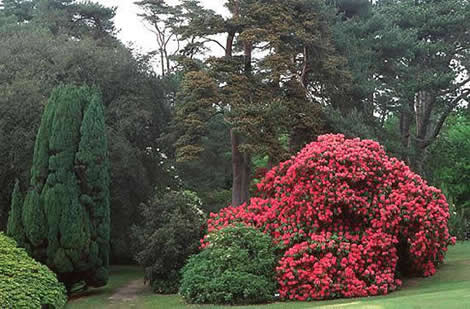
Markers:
point(89, 293)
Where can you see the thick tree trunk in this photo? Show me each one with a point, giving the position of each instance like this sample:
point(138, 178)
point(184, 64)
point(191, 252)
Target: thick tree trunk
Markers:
point(162, 61)
point(424, 103)
point(241, 162)
point(241, 170)
point(405, 123)
point(246, 178)
point(167, 58)
point(405, 136)
point(423, 108)
point(271, 163)
point(237, 159)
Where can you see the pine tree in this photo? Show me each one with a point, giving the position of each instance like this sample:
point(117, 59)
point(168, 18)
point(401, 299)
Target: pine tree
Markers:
point(279, 64)
point(66, 212)
point(409, 59)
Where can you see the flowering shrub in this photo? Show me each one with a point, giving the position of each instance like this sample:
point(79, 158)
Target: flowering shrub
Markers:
point(348, 219)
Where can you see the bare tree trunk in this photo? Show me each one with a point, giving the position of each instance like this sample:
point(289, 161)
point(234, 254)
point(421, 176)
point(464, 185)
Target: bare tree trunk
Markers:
point(298, 135)
point(270, 164)
point(246, 178)
point(405, 135)
point(424, 103)
point(167, 58)
point(241, 171)
point(237, 170)
point(241, 162)
point(162, 61)
point(246, 157)
point(229, 45)
point(305, 68)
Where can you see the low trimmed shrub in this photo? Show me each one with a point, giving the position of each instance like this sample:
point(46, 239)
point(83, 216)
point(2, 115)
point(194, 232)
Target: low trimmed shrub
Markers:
point(237, 267)
point(170, 232)
point(25, 283)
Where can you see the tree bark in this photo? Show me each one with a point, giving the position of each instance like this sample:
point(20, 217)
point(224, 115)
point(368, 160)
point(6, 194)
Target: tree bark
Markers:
point(241, 171)
point(305, 68)
point(162, 61)
point(229, 44)
point(237, 176)
point(405, 136)
point(241, 162)
point(424, 103)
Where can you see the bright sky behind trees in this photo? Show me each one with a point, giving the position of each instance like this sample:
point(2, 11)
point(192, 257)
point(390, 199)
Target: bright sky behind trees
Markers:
point(132, 28)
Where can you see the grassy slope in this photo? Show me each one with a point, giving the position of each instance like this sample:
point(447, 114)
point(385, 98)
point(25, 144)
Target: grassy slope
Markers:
point(449, 288)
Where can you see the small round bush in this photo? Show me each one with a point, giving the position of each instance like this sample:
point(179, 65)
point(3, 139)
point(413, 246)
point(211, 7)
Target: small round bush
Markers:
point(237, 266)
point(170, 232)
point(25, 283)
point(349, 220)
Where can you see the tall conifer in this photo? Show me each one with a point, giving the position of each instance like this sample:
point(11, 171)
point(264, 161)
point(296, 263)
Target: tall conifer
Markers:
point(65, 215)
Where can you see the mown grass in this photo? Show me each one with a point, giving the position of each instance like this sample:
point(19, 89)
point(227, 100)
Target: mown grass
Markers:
point(449, 288)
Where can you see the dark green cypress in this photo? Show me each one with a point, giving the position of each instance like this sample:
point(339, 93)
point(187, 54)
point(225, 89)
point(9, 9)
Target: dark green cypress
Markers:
point(66, 211)
point(91, 161)
point(15, 224)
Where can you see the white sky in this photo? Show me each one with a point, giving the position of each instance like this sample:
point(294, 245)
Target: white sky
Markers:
point(131, 27)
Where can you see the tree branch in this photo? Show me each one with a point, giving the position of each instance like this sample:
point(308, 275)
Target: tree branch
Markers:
point(220, 112)
point(457, 86)
point(214, 41)
point(444, 116)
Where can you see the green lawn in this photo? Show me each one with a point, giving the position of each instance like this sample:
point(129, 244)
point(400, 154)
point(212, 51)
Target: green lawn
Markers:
point(449, 288)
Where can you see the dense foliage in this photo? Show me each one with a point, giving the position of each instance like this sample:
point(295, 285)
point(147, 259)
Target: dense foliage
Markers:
point(65, 214)
point(450, 165)
point(263, 83)
point(408, 59)
point(49, 42)
point(350, 220)
point(237, 267)
point(223, 99)
point(25, 283)
point(170, 232)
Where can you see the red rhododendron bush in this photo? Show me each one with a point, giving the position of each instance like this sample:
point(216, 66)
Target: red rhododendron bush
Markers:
point(348, 220)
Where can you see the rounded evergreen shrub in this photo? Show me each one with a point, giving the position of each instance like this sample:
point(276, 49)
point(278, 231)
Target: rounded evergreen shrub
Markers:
point(170, 232)
point(25, 283)
point(349, 220)
point(236, 267)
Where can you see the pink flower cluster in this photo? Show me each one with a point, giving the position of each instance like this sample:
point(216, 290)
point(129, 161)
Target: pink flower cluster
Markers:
point(347, 219)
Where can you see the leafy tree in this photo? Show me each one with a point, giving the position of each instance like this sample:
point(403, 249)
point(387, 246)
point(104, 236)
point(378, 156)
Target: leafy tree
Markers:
point(22, 10)
point(210, 176)
point(69, 17)
point(172, 227)
point(164, 21)
point(450, 162)
point(33, 61)
point(65, 216)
